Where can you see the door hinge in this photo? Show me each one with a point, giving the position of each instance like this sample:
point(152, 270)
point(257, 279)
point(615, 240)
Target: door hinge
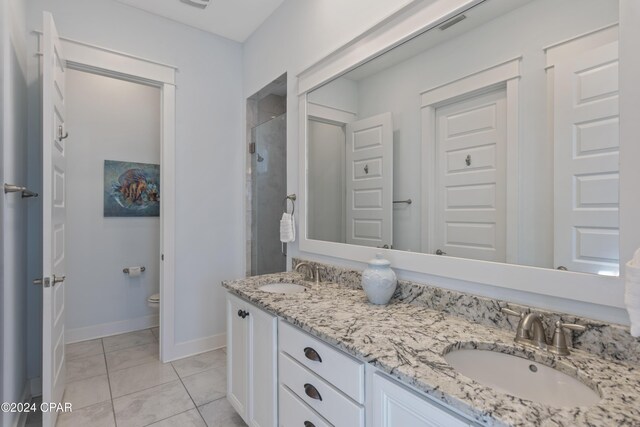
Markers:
point(162, 257)
point(252, 148)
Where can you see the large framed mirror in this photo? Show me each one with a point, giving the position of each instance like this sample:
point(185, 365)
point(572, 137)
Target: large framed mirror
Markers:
point(493, 137)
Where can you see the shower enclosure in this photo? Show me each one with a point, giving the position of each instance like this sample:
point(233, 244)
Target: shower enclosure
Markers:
point(267, 132)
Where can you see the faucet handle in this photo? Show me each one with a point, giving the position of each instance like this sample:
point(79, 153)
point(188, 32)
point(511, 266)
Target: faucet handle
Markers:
point(511, 312)
point(559, 341)
point(572, 326)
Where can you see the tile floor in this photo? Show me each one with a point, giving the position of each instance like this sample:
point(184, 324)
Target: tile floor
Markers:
point(119, 381)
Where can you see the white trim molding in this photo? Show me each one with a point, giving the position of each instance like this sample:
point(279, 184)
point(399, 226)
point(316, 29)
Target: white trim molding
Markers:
point(108, 329)
point(605, 293)
point(103, 61)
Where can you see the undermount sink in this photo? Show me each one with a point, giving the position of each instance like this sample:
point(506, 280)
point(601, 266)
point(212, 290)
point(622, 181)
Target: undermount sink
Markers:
point(522, 378)
point(282, 288)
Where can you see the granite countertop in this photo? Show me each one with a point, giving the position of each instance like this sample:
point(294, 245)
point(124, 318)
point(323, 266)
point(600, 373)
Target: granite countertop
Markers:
point(408, 342)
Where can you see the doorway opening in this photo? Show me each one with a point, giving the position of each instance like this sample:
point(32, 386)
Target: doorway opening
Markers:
point(267, 180)
point(112, 206)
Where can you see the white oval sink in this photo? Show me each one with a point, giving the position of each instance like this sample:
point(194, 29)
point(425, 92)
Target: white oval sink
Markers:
point(522, 378)
point(282, 288)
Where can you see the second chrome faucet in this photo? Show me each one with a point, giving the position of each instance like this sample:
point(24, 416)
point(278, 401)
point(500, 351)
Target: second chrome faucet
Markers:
point(313, 273)
point(531, 332)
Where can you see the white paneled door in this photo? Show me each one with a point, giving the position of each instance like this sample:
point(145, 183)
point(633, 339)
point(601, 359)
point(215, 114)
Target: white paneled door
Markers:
point(587, 161)
point(470, 182)
point(53, 239)
point(369, 179)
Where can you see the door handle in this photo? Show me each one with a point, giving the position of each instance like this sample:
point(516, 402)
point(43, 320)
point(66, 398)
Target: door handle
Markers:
point(44, 282)
point(440, 252)
point(309, 424)
point(62, 134)
point(57, 280)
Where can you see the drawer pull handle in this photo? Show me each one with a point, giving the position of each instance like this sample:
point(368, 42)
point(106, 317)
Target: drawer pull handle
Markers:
point(312, 392)
point(311, 354)
point(309, 424)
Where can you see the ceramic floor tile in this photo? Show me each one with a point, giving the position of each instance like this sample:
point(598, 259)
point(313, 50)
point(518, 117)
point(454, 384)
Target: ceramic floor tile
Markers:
point(130, 380)
point(200, 362)
point(85, 367)
point(130, 339)
point(151, 405)
point(87, 392)
point(133, 356)
point(100, 415)
point(156, 333)
point(220, 413)
point(83, 349)
point(190, 418)
point(207, 386)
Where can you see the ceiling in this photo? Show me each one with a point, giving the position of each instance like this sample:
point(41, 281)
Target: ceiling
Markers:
point(233, 19)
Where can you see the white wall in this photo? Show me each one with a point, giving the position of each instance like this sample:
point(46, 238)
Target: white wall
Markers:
point(108, 119)
point(209, 149)
point(13, 209)
point(396, 89)
point(296, 36)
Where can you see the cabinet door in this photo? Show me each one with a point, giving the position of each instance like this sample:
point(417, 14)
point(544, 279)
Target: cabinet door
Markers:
point(396, 406)
point(237, 355)
point(263, 394)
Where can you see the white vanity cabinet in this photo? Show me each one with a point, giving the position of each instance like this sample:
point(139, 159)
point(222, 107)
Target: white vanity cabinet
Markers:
point(320, 384)
point(279, 375)
point(252, 364)
point(391, 404)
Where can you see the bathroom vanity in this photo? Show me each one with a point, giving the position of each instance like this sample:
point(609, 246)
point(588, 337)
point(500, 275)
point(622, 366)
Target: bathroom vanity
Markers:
point(342, 361)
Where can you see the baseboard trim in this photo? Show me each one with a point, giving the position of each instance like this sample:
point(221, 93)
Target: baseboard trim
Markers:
point(197, 346)
point(114, 328)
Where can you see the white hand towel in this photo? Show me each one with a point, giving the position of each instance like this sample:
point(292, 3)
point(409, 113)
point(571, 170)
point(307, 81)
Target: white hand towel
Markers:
point(287, 228)
point(632, 292)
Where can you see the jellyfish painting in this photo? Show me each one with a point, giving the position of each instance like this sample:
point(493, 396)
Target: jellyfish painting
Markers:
point(131, 189)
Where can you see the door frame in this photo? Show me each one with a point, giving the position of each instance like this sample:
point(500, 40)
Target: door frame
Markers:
point(506, 74)
point(110, 63)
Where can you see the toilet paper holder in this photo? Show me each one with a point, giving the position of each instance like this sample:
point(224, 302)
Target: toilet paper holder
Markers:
point(126, 269)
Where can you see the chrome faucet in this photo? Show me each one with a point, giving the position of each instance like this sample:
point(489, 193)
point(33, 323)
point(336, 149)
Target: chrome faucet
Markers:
point(313, 272)
point(309, 276)
point(531, 332)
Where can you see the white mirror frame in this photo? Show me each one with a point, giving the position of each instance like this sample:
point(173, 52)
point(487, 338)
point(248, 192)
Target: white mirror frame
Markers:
point(420, 16)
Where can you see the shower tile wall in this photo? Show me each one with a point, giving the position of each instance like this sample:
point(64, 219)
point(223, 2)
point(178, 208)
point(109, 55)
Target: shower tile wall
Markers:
point(266, 181)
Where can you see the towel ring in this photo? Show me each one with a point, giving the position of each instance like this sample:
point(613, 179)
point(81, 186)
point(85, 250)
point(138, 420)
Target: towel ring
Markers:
point(292, 198)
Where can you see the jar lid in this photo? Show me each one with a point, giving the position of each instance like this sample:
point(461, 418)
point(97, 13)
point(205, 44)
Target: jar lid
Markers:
point(378, 261)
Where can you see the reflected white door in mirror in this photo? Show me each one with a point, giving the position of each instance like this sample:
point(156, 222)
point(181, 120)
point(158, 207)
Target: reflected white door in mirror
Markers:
point(503, 129)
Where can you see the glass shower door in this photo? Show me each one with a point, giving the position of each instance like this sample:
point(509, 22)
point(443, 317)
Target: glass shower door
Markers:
point(269, 166)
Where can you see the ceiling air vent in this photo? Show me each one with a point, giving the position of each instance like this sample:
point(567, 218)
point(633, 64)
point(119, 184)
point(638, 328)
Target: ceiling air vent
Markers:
point(197, 3)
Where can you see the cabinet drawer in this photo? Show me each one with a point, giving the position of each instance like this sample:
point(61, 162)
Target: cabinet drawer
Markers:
point(294, 412)
point(338, 409)
point(344, 372)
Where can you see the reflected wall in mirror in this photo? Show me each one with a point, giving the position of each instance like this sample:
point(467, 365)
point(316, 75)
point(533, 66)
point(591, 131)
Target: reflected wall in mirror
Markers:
point(492, 137)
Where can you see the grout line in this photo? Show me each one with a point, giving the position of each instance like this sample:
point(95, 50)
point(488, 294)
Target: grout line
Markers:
point(113, 408)
point(174, 415)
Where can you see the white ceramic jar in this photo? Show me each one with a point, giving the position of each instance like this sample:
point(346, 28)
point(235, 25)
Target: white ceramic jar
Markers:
point(379, 281)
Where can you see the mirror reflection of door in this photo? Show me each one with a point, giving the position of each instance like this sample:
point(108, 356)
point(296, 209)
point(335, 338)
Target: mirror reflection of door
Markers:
point(587, 161)
point(470, 137)
point(369, 180)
